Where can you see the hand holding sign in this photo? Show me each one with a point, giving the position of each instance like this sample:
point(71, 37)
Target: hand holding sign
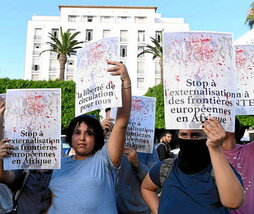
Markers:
point(132, 156)
point(5, 149)
point(121, 70)
point(215, 133)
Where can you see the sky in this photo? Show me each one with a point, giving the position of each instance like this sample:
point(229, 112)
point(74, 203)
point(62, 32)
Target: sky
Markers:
point(201, 15)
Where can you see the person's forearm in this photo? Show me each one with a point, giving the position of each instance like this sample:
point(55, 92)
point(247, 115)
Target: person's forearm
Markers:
point(123, 112)
point(117, 138)
point(229, 187)
point(152, 200)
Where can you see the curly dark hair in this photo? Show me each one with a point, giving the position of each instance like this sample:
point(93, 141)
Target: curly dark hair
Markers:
point(92, 124)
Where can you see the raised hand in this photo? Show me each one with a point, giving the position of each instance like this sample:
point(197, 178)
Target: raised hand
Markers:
point(131, 155)
point(214, 131)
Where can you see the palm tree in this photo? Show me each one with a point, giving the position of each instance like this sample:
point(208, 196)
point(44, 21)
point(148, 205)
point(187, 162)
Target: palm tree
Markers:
point(250, 16)
point(63, 47)
point(157, 51)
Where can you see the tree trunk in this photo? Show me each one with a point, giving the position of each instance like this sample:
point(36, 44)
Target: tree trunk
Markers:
point(161, 67)
point(62, 61)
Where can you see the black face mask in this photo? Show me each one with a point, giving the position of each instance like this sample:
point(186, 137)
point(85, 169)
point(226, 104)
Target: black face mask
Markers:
point(193, 156)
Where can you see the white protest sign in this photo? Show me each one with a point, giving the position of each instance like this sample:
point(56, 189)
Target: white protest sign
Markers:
point(199, 79)
point(245, 79)
point(95, 87)
point(140, 130)
point(33, 126)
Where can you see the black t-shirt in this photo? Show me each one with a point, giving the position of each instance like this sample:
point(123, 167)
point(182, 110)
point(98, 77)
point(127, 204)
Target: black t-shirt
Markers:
point(163, 151)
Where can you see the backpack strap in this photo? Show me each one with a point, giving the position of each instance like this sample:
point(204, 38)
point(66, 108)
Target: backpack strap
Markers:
point(161, 143)
point(18, 192)
point(165, 169)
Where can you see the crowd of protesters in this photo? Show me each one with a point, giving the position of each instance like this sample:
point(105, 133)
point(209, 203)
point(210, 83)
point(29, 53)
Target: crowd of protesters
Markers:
point(212, 173)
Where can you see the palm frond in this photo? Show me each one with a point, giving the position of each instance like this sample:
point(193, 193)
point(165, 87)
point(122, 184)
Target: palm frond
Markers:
point(65, 44)
point(155, 50)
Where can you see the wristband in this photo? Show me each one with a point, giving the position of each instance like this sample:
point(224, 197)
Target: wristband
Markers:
point(126, 87)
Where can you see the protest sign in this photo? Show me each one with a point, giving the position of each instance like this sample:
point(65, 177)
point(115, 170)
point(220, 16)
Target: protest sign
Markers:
point(245, 79)
point(95, 87)
point(140, 130)
point(33, 126)
point(199, 79)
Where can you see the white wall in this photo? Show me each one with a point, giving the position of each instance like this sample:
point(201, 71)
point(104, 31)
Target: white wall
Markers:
point(153, 23)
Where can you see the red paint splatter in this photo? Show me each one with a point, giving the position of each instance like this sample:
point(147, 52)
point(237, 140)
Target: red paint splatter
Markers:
point(35, 105)
point(177, 78)
point(239, 51)
point(136, 105)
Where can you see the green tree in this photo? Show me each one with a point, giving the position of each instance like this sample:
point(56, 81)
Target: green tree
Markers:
point(157, 51)
point(250, 16)
point(63, 47)
point(246, 120)
point(157, 92)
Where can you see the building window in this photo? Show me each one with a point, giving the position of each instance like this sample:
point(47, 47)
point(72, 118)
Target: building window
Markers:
point(140, 82)
point(123, 36)
point(36, 65)
point(123, 50)
point(35, 77)
point(72, 18)
point(141, 48)
point(123, 19)
point(55, 32)
point(157, 68)
point(37, 48)
point(158, 36)
point(89, 19)
point(38, 33)
point(53, 54)
point(72, 31)
point(107, 19)
point(52, 77)
point(141, 36)
point(157, 81)
point(53, 65)
point(141, 68)
point(89, 35)
point(140, 19)
point(70, 66)
point(69, 77)
point(106, 33)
